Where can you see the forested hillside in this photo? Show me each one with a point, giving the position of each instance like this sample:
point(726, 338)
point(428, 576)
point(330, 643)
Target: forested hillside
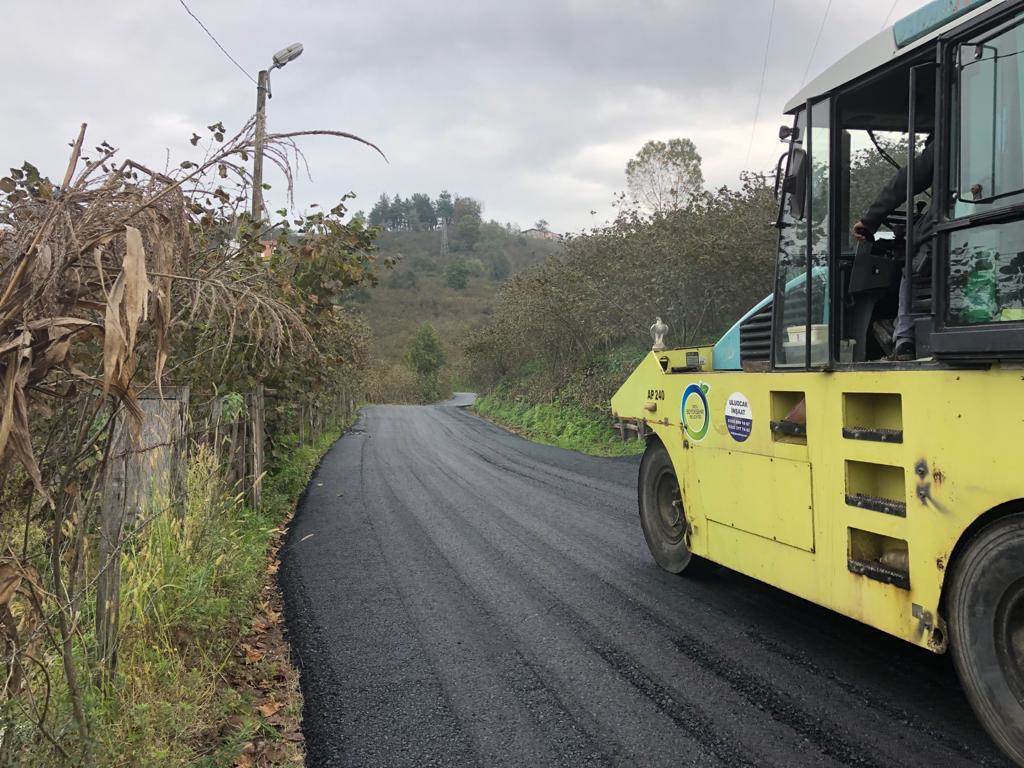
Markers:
point(449, 266)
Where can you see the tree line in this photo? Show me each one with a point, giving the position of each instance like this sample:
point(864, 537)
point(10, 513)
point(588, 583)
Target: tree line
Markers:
point(695, 257)
point(420, 212)
point(698, 267)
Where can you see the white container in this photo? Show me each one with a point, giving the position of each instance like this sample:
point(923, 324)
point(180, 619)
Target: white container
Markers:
point(798, 333)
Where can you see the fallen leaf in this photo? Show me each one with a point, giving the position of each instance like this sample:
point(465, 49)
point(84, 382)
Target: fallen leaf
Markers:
point(10, 579)
point(270, 707)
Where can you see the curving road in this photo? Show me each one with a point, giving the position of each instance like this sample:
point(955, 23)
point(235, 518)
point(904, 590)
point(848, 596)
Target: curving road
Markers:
point(456, 595)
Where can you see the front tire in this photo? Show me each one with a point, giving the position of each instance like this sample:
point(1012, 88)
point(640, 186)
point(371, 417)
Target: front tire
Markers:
point(986, 628)
point(662, 514)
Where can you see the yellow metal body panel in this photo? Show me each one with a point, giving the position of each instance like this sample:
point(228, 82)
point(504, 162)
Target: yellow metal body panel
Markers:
point(747, 489)
point(769, 497)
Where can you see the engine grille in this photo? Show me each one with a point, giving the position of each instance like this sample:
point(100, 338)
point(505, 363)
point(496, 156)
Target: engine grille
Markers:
point(756, 336)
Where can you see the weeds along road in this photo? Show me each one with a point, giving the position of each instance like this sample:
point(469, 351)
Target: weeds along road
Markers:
point(459, 596)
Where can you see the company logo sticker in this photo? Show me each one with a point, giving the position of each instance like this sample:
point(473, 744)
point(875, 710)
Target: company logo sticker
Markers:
point(694, 411)
point(739, 417)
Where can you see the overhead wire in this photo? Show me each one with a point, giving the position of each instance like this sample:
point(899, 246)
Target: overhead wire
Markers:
point(217, 42)
point(814, 48)
point(764, 75)
point(889, 15)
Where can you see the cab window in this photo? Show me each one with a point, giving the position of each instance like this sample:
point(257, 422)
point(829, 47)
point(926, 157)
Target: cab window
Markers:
point(804, 219)
point(985, 274)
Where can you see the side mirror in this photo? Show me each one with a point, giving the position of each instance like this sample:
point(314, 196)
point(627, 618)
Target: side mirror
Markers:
point(787, 132)
point(795, 184)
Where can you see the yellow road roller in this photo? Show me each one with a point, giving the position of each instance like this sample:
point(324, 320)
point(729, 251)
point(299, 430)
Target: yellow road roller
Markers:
point(857, 438)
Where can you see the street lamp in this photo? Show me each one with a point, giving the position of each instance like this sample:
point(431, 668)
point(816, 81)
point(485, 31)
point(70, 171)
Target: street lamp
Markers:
point(281, 58)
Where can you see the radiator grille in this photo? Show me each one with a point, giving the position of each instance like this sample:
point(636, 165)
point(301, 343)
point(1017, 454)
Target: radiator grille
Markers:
point(756, 336)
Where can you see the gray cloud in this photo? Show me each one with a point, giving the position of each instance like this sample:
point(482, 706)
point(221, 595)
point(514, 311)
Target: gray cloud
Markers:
point(533, 107)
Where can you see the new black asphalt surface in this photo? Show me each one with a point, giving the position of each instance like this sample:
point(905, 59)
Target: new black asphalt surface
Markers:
point(458, 596)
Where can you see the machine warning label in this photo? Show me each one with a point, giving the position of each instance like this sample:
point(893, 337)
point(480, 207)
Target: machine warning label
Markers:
point(695, 413)
point(739, 417)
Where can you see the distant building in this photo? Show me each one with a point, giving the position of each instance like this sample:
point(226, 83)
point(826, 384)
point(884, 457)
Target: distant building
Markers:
point(269, 239)
point(541, 234)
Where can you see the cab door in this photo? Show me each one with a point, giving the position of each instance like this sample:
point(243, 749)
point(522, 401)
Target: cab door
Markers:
point(980, 269)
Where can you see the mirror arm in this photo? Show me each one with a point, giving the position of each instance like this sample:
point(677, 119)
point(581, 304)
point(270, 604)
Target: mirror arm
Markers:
point(778, 173)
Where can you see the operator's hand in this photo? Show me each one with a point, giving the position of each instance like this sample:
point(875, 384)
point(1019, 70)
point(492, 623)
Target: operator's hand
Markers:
point(862, 233)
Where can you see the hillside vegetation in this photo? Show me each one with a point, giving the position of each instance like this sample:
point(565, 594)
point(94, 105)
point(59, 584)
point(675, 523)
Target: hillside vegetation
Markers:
point(566, 333)
point(168, 371)
point(453, 291)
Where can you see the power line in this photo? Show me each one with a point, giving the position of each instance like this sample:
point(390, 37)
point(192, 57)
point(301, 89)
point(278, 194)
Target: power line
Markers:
point(215, 40)
point(889, 15)
point(760, 92)
point(814, 48)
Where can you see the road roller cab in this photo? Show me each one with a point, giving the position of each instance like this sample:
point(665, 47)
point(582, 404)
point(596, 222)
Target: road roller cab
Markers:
point(799, 449)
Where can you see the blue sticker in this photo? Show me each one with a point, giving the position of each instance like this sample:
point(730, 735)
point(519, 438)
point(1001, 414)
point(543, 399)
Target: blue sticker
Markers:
point(739, 417)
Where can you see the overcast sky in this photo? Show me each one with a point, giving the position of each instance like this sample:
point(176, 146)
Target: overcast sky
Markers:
point(533, 107)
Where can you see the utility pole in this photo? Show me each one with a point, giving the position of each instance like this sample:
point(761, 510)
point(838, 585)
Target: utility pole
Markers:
point(281, 58)
point(261, 132)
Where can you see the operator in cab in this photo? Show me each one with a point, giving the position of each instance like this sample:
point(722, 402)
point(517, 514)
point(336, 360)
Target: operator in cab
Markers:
point(892, 196)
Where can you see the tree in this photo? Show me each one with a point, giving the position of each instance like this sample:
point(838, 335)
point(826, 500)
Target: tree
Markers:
point(380, 212)
point(665, 176)
point(425, 357)
point(468, 230)
point(456, 275)
point(406, 279)
point(445, 207)
point(500, 267)
point(542, 225)
point(426, 215)
point(466, 206)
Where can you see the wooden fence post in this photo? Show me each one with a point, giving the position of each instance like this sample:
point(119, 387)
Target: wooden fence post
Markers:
point(257, 437)
point(144, 477)
point(215, 428)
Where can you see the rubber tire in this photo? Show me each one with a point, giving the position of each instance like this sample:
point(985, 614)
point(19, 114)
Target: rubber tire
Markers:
point(992, 564)
point(674, 557)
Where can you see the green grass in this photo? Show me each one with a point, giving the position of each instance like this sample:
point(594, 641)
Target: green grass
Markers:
point(566, 426)
point(568, 408)
point(191, 584)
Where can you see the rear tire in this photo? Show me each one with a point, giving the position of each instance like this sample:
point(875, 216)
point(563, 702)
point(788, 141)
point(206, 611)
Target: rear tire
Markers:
point(986, 630)
point(662, 514)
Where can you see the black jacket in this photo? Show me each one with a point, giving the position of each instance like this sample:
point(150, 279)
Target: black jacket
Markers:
point(894, 195)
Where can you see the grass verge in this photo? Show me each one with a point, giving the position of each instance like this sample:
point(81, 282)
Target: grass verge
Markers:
point(203, 675)
point(567, 426)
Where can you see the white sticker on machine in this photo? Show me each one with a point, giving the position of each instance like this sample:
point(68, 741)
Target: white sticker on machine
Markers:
point(739, 417)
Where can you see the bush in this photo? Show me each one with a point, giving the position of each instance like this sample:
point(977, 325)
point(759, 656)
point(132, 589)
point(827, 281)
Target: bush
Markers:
point(425, 358)
point(456, 275)
point(699, 269)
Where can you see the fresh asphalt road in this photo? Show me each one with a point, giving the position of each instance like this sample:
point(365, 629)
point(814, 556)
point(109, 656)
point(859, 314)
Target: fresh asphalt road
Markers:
point(456, 595)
